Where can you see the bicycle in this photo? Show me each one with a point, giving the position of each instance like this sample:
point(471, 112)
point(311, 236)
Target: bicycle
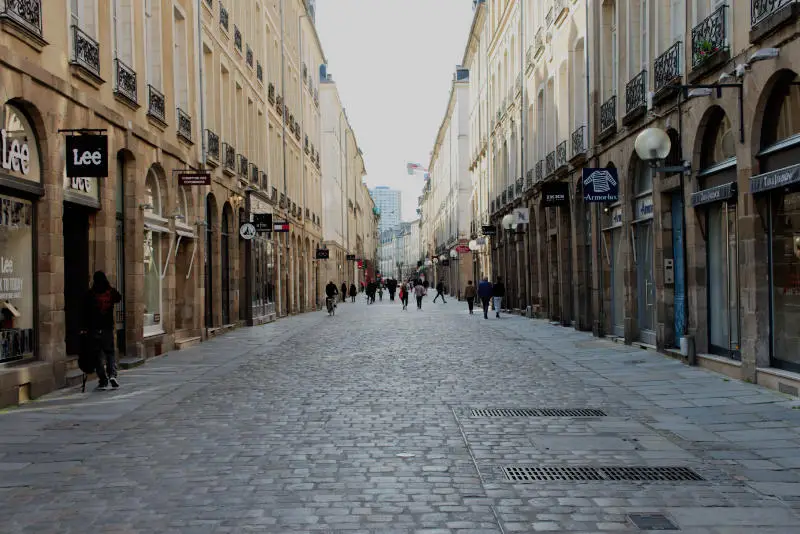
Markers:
point(331, 305)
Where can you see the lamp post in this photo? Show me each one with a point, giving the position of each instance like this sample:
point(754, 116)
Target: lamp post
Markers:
point(453, 259)
point(473, 247)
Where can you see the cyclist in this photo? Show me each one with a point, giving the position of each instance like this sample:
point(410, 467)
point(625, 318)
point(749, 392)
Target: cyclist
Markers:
point(331, 291)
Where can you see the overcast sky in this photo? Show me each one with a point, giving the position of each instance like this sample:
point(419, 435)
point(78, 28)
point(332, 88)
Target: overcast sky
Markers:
point(393, 62)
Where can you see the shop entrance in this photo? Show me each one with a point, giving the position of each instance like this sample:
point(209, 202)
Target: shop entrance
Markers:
point(76, 271)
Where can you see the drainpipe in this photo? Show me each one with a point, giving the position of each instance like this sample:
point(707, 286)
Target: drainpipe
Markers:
point(201, 96)
point(283, 139)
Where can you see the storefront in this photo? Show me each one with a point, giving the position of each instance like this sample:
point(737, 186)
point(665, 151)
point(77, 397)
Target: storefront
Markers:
point(643, 237)
point(262, 258)
point(156, 241)
point(20, 189)
point(614, 252)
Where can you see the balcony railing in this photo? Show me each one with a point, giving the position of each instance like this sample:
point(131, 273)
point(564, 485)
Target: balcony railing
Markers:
point(271, 93)
point(762, 9)
point(551, 163)
point(259, 72)
point(510, 191)
point(249, 56)
point(709, 37)
point(85, 51)
point(279, 104)
point(297, 131)
point(237, 38)
point(125, 82)
point(305, 145)
point(184, 125)
point(608, 114)
point(636, 93)
point(156, 104)
point(25, 13)
point(561, 155)
point(667, 66)
point(244, 165)
point(548, 19)
point(529, 56)
point(539, 170)
point(518, 187)
point(538, 42)
point(504, 198)
point(254, 174)
point(529, 179)
point(559, 7)
point(579, 141)
point(212, 145)
point(228, 157)
point(223, 17)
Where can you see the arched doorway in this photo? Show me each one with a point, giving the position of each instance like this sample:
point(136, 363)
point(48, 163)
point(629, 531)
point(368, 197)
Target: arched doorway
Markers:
point(185, 265)
point(777, 191)
point(225, 262)
point(156, 250)
point(211, 224)
point(615, 257)
point(643, 234)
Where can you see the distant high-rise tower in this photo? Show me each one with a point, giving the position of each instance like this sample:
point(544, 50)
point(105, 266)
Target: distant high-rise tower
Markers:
point(388, 202)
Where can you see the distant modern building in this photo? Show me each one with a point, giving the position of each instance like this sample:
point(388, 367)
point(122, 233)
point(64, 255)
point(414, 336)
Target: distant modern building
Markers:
point(388, 202)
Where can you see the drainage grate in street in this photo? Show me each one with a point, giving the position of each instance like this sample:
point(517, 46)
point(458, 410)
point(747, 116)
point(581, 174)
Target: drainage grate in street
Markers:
point(652, 522)
point(526, 473)
point(538, 412)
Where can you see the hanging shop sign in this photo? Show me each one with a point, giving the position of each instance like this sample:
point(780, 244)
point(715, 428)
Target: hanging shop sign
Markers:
point(194, 178)
point(323, 253)
point(555, 194)
point(247, 231)
point(522, 215)
point(714, 194)
point(772, 180)
point(262, 222)
point(351, 257)
point(87, 156)
point(488, 230)
point(445, 263)
point(600, 185)
point(463, 249)
point(280, 226)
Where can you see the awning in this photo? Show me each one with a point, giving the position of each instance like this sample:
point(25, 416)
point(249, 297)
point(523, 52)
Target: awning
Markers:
point(188, 234)
point(775, 179)
point(156, 227)
point(714, 194)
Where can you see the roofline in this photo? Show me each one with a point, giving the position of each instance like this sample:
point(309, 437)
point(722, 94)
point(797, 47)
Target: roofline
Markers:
point(480, 8)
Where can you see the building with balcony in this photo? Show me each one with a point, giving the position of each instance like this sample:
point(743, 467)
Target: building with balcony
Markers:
point(219, 87)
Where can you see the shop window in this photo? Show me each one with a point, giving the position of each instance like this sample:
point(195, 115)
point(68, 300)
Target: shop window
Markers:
point(782, 113)
point(155, 229)
point(16, 279)
point(22, 153)
point(719, 141)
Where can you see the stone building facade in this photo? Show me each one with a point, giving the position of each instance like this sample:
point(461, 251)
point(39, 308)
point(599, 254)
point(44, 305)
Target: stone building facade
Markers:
point(701, 253)
point(228, 88)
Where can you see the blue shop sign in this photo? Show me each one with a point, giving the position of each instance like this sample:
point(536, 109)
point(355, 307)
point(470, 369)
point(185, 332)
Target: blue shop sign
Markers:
point(600, 185)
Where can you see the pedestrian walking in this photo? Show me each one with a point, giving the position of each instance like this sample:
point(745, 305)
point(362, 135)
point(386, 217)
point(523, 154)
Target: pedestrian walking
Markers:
point(391, 286)
point(353, 292)
point(485, 294)
point(404, 296)
point(439, 292)
point(344, 291)
point(469, 293)
point(498, 292)
point(380, 293)
point(419, 292)
point(98, 325)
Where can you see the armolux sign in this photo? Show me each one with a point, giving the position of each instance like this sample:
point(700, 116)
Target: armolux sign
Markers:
point(714, 194)
point(775, 179)
point(600, 185)
point(87, 156)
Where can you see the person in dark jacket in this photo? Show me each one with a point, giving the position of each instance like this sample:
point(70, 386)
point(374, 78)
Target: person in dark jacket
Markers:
point(353, 292)
point(485, 294)
point(391, 286)
point(469, 293)
point(344, 291)
point(498, 292)
point(439, 292)
point(98, 324)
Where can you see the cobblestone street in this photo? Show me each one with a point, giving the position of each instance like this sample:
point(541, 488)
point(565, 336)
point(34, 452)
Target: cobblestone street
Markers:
point(364, 422)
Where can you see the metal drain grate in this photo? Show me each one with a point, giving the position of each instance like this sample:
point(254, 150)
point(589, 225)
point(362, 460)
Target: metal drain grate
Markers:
point(538, 412)
point(526, 473)
point(652, 522)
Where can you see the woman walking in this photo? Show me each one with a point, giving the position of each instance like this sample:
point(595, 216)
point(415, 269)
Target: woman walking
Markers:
point(419, 291)
point(353, 292)
point(469, 294)
point(404, 296)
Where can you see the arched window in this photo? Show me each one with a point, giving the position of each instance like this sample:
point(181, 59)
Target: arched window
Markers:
point(719, 141)
point(154, 226)
point(782, 114)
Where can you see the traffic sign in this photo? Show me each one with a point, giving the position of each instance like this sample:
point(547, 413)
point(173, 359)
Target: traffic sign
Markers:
point(247, 231)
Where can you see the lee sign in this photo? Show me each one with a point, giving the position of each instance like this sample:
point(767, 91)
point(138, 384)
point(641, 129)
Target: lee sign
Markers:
point(87, 156)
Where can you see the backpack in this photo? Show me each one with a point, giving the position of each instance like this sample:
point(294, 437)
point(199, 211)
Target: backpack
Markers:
point(87, 361)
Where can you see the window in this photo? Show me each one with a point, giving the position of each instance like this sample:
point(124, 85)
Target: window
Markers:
point(155, 227)
point(83, 14)
point(676, 20)
point(152, 42)
point(17, 321)
point(180, 61)
point(122, 26)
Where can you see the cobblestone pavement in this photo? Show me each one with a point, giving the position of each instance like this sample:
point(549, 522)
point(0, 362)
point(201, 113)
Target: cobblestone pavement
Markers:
point(363, 423)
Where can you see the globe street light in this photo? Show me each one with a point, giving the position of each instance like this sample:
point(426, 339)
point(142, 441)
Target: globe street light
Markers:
point(653, 144)
point(508, 221)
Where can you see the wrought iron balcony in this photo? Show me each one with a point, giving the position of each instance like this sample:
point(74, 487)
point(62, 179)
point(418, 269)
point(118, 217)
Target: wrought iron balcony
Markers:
point(125, 82)
point(561, 155)
point(291, 123)
point(271, 93)
point(237, 38)
point(259, 72)
point(279, 104)
point(560, 7)
point(223, 17)
point(510, 192)
point(504, 198)
point(184, 125)
point(608, 114)
point(212, 145)
point(538, 42)
point(228, 157)
point(156, 104)
point(297, 131)
point(540, 170)
point(85, 51)
point(709, 37)
point(551, 163)
point(518, 187)
point(305, 73)
point(305, 145)
point(548, 19)
point(254, 174)
point(244, 165)
point(492, 206)
point(579, 141)
point(529, 179)
point(25, 14)
point(529, 56)
point(636, 93)
point(667, 66)
point(249, 56)
point(761, 10)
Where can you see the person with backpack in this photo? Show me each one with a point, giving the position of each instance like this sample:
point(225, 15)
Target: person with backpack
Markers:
point(98, 331)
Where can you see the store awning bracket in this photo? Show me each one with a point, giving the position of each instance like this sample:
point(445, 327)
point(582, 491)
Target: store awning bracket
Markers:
point(169, 255)
point(191, 261)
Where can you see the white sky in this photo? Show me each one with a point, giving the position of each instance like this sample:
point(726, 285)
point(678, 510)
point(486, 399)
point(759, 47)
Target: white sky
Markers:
point(393, 62)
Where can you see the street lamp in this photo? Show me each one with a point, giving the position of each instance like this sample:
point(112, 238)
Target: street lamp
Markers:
point(508, 222)
point(652, 144)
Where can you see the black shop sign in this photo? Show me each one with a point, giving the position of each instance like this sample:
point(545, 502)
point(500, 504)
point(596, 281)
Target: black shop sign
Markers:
point(262, 222)
point(555, 194)
point(87, 156)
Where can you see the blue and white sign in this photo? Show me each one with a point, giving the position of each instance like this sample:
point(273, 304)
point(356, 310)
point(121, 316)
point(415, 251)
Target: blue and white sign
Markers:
point(600, 185)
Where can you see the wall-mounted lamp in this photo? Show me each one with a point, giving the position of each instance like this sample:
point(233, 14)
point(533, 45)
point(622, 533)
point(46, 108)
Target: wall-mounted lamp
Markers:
point(763, 55)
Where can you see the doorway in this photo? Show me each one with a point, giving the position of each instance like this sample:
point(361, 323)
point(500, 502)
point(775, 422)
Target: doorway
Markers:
point(678, 267)
point(76, 272)
point(225, 257)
